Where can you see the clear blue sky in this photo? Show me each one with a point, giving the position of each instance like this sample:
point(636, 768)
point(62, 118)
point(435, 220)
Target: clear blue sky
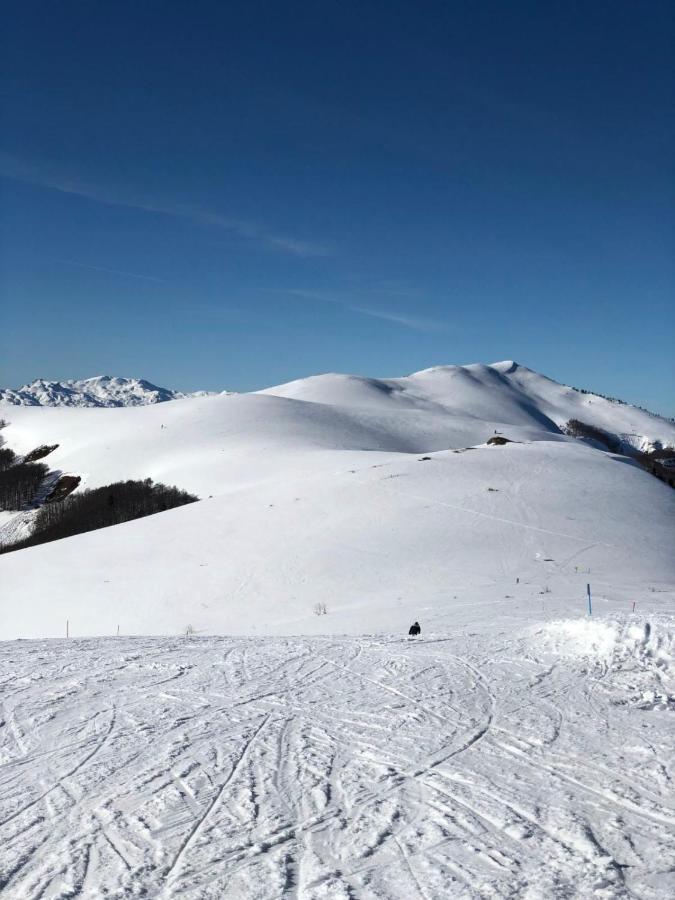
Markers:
point(230, 195)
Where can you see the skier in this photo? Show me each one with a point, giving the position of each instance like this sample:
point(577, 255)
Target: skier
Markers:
point(415, 629)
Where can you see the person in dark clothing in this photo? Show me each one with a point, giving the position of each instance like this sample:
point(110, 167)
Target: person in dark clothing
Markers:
point(415, 628)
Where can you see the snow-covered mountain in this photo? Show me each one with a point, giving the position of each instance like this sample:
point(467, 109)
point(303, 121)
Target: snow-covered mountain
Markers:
point(519, 747)
point(103, 390)
point(503, 392)
point(317, 488)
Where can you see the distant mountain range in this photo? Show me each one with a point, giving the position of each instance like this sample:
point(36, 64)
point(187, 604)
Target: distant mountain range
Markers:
point(501, 392)
point(103, 390)
point(529, 387)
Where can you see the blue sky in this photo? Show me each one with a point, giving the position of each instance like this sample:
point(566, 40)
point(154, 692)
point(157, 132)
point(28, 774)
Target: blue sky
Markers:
point(231, 195)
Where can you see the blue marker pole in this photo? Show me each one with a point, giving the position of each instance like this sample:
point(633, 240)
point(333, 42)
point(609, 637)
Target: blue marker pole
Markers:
point(590, 608)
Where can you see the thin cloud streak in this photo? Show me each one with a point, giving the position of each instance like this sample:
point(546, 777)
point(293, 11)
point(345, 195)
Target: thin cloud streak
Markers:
point(46, 176)
point(122, 272)
point(299, 247)
point(416, 323)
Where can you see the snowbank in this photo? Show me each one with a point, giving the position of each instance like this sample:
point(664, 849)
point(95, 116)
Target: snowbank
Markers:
point(648, 641)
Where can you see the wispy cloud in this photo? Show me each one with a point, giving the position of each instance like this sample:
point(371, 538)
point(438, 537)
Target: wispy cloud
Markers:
point(49, 176)
point(406, 320)
point(122, 272)
point(417, 323)
point(299, 247)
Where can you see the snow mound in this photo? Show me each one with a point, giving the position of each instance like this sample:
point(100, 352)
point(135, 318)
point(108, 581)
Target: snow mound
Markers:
point(615, 642)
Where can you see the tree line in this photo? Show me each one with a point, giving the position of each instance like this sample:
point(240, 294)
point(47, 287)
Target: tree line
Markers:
point(101, 507)
point(575, 428)
point(7, 458)
point(621, 402)
point(651, 460)
point(19, 483)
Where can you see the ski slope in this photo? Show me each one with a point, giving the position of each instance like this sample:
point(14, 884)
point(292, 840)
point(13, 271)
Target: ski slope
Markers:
point(381, 540)
point(204, 734)
point(532, 763)
point(319, 491)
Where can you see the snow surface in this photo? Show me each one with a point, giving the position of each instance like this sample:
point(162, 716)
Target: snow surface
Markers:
point(103, 390)
point(503, 392)
point(518, 749)
point(533, 763)
point(324, 496)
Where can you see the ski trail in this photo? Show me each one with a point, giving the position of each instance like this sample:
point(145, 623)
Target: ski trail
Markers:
point(474, 512)
point(607, 796)
point(408, 865)
point(68, 774)
point(392, 690)
point(174, 869)
point(461, 765)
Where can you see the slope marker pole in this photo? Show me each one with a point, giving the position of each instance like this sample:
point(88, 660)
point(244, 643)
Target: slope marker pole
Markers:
point(67, 628)
point(590, 607)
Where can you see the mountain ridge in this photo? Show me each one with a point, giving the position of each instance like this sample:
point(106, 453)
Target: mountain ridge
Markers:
point(119, 391)
point(504, 392)
point(381, 498)
point(98, 391)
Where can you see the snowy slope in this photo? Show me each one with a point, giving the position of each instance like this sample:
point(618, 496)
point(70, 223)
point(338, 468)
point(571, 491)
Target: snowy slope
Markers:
point(503, 392)
point(532, 764)
point(376, 534)
point(103, 390)
point(318, 488)
point(211, 444)
point(217, 444)
point(519, 749)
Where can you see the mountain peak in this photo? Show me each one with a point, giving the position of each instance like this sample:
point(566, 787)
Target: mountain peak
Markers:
point(505, 367)
point(100, 390)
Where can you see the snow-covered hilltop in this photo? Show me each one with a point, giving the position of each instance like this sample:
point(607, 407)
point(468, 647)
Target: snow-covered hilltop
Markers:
point(103, 390)
point(321, 489)
point(504, 392)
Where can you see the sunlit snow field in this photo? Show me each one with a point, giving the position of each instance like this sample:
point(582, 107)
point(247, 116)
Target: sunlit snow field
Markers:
point(519, 748)
point(528, 763)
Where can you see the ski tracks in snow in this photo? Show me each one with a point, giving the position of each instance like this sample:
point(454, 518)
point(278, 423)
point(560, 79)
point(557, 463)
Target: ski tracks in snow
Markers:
point(305, 768)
